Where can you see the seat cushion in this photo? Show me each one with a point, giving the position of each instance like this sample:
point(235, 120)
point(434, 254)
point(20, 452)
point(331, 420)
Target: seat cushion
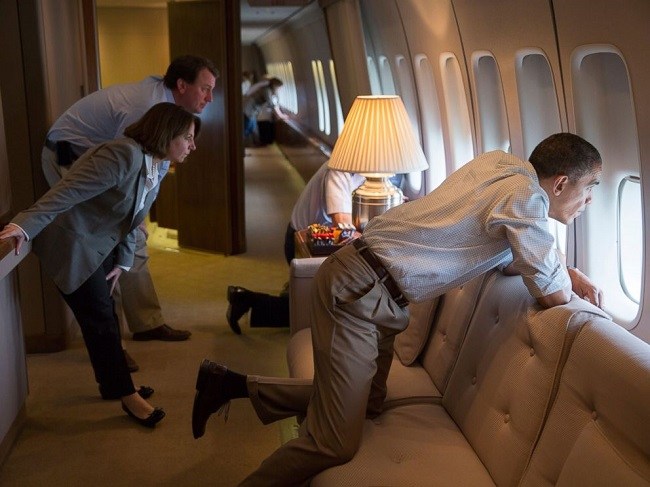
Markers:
point(410, 342)
point(415, 445)
point(405, 384)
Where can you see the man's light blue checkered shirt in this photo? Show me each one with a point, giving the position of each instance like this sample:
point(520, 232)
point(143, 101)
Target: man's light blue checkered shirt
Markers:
point(490, 212)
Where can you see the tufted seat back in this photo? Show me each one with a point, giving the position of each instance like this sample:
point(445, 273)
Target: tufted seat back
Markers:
point(455, 310)
point(597, 432)
point(505, 376)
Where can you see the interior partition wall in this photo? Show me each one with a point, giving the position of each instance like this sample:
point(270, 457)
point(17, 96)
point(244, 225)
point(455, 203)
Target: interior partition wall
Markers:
point(209, 186)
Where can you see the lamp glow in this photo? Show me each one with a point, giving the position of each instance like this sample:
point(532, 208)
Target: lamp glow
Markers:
point(377, 141)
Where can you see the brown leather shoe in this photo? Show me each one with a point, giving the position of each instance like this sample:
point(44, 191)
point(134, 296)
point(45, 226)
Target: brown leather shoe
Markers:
point(130, 363)
point(211, 395)
point(164, 333)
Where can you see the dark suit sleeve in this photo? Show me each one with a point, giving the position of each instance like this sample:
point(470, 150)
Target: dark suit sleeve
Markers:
point(97, 171)
point(126, 250)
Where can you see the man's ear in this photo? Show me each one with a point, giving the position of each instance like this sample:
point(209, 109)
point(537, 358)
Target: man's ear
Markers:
point(181, 85)
point(559, 184)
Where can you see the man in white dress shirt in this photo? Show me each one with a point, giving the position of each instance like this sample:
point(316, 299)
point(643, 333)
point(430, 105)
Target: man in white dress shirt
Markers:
point(102, 116)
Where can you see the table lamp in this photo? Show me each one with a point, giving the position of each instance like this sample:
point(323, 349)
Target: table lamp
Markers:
point(377, 142)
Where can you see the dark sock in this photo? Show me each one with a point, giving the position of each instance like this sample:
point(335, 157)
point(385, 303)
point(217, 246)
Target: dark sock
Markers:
point(236, 384)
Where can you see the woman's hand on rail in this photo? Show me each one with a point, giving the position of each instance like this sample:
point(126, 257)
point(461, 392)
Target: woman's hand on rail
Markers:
point(15, 232)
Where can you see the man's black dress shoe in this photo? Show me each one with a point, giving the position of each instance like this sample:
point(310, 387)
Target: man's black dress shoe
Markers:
point(239, 300)
point(145, 393)
point(164, 333)
point(211, 395)
point(150, 421)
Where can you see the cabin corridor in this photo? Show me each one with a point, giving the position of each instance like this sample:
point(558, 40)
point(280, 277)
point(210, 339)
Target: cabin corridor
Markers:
point(74, 438)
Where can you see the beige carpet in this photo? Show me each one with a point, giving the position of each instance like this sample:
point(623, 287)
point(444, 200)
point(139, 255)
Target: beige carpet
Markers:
point(73, 438)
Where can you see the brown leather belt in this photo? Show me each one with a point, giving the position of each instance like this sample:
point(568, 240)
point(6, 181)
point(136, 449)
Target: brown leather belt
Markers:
point(384, 277)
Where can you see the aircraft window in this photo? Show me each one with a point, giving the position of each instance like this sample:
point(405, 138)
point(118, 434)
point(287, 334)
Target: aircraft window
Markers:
point(493, 119)
point(405, 82)
point(319, 96)
point(630, 236)
point(412, 185)
point(386, 77)
point(291, 93)
point(457, 111)
point(432, 140)
point(326, 102)
point(287, 95)
point(538, 105)
point(605, 116)
point(375, 85)
point(559, 232)
point(337, 99)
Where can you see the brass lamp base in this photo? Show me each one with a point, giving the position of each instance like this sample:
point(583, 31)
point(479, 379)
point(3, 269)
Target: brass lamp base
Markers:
point(376, 195)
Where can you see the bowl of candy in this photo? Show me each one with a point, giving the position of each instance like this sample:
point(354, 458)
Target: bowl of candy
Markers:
point(326, 239)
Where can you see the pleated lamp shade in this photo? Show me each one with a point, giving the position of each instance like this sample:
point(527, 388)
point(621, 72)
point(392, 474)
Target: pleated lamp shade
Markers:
point(377, 138)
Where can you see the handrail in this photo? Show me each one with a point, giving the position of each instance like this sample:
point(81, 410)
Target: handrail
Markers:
point(8, 258)
point(6, 247)
point(324, 148)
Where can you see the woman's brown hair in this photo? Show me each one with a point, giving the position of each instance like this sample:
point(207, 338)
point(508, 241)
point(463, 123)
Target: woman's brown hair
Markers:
point(162, 123)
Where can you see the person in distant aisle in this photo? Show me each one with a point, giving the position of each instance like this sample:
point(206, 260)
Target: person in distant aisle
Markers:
point(247, 81)
point(83, 234)
point(103, 115)
point(261, 108)
point(325, 199)
point(492, 212)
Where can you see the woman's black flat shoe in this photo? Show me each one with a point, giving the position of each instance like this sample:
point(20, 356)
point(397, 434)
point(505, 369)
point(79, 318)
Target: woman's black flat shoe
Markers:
point(145, 393)
point(150, 421)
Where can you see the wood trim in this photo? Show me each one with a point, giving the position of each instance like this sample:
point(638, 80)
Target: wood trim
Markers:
point(89, 25)
point(236, 176)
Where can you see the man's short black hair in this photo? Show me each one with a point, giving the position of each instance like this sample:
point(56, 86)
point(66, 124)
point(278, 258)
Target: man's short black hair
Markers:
point(187, 68)
point(564, 154)
point(275, 82)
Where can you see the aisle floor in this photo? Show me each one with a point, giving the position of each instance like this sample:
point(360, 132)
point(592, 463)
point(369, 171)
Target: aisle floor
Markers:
point(73, 438)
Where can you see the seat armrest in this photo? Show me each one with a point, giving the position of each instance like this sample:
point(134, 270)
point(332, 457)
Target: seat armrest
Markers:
point(300, 276)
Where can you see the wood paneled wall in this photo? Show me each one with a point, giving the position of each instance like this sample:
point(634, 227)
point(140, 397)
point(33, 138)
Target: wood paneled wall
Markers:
point(209, 185)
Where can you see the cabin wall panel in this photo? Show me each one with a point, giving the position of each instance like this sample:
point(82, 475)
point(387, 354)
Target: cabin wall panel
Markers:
point(385, 31)
point(62, 45)
point(620, 27)
point(503, 28)
point(431, 32)
point(251, 60)
point(13, 366)
point(300, 40)
point(345, 29)
point(27, 112)
point(5, 186)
